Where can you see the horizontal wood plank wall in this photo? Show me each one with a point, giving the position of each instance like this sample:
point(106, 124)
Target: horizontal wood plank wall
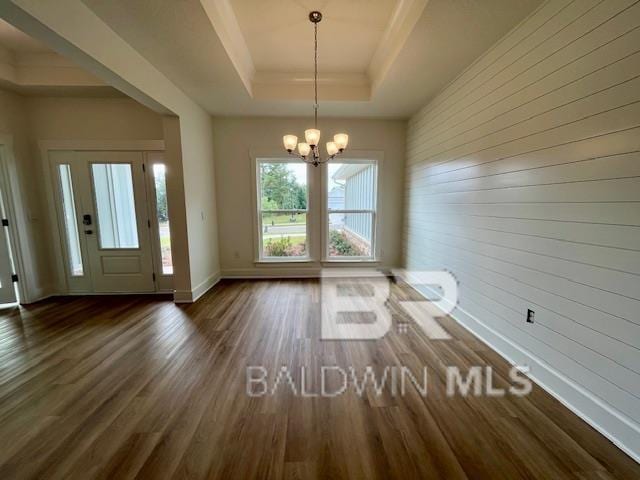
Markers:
point(523, 179)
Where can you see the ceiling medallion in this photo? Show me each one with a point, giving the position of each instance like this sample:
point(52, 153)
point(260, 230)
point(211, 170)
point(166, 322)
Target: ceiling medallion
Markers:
point(309, 151)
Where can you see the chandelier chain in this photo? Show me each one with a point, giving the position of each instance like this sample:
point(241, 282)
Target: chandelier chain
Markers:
point(315, 73)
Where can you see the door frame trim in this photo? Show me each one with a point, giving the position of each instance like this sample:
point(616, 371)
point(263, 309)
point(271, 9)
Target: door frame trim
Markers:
point(16, 214)
point(46, 146)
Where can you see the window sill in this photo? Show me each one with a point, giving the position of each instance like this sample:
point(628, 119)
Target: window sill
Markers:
point(283, 262)
point(350, 261)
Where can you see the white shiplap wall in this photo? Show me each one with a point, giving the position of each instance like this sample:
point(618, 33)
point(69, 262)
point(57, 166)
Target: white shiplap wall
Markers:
point(523, 179)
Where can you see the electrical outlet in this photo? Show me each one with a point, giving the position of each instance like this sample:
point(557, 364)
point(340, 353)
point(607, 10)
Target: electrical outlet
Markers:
point(530, 315)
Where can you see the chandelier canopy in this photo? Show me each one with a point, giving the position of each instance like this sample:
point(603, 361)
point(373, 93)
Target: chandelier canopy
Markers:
point(309, 151)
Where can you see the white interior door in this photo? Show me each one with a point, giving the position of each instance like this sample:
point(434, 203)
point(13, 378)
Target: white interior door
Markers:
point(7, 290)
point(104, 219)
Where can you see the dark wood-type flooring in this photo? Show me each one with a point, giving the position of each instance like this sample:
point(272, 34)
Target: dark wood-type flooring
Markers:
point(137, 387)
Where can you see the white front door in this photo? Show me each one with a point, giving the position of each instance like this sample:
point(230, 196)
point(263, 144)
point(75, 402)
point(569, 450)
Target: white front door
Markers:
point(103, 214)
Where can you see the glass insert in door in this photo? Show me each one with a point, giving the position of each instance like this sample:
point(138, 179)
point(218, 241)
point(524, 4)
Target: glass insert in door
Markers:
point(70, 221)
point(115, 205)
point(162, 214)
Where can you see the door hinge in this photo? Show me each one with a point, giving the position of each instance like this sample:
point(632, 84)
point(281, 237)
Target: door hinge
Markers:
point(154, 276)
point(5, 222)
point(14, 277)
point(149, 223)
point(144, 168)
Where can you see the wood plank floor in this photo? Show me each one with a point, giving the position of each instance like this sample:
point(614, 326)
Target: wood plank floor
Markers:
point(137, 387)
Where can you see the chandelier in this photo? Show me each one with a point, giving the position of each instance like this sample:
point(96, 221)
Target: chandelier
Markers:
point(309, 151)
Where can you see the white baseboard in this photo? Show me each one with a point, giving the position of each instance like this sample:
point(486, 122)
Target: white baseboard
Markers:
point(39, 294)
point(619, 429)
point(292, 271)
point(190, 296)
point(275, 272)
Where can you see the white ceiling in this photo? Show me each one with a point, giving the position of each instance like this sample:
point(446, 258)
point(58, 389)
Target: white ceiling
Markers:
point(13, 39)
point(377, 58)
point(29, 67)
point(279, 35)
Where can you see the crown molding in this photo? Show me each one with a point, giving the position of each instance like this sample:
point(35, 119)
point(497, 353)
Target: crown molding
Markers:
point(358, 86)
point(23, 71)
point(404, 19)
point(225, 23)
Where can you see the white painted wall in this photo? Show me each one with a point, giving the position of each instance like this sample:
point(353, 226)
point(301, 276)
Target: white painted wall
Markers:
point(72, 29)
point(80, 119)
point(33, 119)
point(202, 211)
point(234, 137)
point(70, 118)
point(14, 122)
point(36, 119)
point(523, 178)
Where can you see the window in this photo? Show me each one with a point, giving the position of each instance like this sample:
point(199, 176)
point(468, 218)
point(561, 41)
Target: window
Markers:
point(282, 207)
point(70, 221)
point(351, 204)
point(162, 216)
point(115, 205)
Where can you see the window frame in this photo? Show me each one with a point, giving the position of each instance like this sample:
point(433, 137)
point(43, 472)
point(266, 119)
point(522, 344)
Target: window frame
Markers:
point(353, 157)
point(259, 257)
point(164, 281)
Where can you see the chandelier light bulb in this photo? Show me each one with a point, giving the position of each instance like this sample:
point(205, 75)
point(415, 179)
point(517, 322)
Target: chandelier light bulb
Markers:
point(304, 149)
point(312, 136)
point(341, 140)
point(332, 148)
point(290, 142)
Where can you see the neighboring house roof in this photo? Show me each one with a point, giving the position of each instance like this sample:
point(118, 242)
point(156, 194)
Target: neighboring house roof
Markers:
point(336, 192)
point(349, 170)
point(336, 198)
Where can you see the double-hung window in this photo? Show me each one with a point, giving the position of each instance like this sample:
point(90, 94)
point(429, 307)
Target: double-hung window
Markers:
point(283, 198)
point(351, 210)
